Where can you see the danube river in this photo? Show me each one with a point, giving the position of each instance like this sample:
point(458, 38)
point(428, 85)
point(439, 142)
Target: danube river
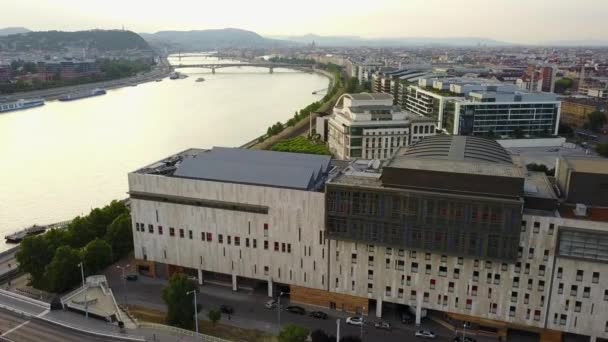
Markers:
point(64, 158)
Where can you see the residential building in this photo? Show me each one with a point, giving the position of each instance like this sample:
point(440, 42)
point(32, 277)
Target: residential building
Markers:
point(5, 73)
point(538, 78)
point(369, 126)
point(453, 226)
point(575, 110)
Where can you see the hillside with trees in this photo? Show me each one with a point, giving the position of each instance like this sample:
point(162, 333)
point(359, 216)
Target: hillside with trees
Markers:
point(102, 40)
point(204, 40)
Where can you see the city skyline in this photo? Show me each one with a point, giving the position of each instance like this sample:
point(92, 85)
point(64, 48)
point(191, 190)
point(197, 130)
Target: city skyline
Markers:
point(519, 22)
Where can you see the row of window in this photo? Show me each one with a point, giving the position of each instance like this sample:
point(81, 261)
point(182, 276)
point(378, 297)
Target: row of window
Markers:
point(536, 227)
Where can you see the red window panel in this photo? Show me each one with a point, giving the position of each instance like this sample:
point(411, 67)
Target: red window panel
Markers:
point(160, 230)
point(209, 237)
point(432, 281)
point(469, 301)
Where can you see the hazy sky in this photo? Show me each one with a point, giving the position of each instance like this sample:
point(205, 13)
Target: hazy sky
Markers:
point(521, 21)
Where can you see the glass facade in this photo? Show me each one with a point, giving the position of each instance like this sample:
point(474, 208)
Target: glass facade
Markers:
point(463, 226)
point(535, 119)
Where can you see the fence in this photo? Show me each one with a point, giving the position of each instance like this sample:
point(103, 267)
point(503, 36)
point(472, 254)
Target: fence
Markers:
point(202, 337)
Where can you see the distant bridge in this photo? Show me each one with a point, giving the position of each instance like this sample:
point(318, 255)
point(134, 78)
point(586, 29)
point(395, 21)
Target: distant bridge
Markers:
point(270, 66)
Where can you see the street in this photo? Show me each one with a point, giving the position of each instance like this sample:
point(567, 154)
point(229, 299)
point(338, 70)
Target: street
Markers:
point(250, 312)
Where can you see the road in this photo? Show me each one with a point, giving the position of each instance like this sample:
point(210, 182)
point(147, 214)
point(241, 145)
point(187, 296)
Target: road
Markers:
point(19, 329)
point(250, 312)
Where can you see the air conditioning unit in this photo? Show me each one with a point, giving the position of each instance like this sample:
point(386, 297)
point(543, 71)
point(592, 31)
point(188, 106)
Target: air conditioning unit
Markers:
point(580, 210)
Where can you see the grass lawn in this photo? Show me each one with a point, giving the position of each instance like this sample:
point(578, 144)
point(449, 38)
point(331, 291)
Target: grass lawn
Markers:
point(301, 145)
point(219, 330)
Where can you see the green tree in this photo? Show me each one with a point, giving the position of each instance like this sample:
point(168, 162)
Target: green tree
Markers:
point(33, 256)
point(214, 316)
point(602, 150)
point(596, 120)
point(120, 236)
point(293, 333)
point(180, 306)
point(63, 272)
point(352, 85)
point(97, 254)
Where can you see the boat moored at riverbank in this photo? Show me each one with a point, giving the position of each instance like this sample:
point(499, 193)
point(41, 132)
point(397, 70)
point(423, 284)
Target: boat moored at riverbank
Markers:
point(20, 104)
point(82, 94)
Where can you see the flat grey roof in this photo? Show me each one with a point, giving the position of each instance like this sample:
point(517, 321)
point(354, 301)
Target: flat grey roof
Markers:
point(370, 96)
point(256, 167)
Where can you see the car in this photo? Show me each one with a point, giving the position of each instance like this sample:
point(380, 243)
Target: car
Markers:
point(406, 318)
point(227, 309)
point(425, 334)
point(383, 325)
point(271, 304)
point(318, 314)
point(131, 277)
point(355, 320)
point(295, 309)
point(464, 339)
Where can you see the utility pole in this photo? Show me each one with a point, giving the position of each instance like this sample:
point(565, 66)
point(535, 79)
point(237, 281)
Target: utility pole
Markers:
point(86, 303)
point(124, 279)
point(279, 308)
point(338, 330)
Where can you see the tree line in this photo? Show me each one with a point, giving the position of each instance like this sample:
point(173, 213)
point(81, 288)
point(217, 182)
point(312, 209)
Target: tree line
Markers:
point(97, 240)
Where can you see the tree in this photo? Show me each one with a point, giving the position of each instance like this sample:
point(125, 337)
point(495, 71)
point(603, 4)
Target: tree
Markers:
point(120, 236)
point(180, 305)
point(33, 256)
point(214, 316)
point(602, 150)
point(293, 333)
point(97, 254)
point(320, 336)
point(596, 120)
point(352, 85)
point(63, 272)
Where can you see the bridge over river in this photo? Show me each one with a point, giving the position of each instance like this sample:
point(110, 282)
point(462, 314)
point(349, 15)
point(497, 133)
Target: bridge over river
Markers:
point(270, 66)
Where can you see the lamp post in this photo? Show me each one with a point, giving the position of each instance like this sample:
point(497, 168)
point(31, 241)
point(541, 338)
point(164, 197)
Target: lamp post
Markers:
point(195, 313)
point(124, 280)
point(279, 307)
point(86, 303)
point(464, 331)
point(338, 330)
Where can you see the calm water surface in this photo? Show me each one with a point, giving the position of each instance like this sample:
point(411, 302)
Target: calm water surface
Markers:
point(64, 158)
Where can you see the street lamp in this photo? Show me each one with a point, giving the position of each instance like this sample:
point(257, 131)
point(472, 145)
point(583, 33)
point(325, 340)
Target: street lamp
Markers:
point(195, 313)
point(279, 307)
point(86, 304)
point(122, 269)
point(464, 331)
point(338, 330)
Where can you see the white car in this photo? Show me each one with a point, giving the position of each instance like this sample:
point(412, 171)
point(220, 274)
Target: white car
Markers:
point(425, 334)
point(356, 320)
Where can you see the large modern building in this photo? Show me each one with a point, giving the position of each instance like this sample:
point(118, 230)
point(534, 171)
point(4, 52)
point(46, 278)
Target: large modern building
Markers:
point(465, 106)
point(452, 226)
point(369, 126)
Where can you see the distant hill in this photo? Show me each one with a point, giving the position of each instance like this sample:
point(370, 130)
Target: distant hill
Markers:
point(209, 39)
point(103, 40)
point(12, 30)
point(594, 43)
point(391, 42)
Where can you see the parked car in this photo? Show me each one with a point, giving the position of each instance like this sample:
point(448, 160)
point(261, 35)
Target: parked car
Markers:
point(464, 339)
point(227, 309)
point(425, 334)
point(296, 309)
point(131, 277)
point(383, 325)
point(406, 318)
point(271, 304)
point(355, 320)
point(318, 314)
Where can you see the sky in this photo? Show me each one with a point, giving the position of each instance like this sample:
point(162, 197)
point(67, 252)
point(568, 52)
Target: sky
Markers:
point(515, 21)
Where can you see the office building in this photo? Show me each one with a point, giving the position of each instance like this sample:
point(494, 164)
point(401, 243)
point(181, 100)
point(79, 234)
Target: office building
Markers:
point(452, 227)
point(369, 126)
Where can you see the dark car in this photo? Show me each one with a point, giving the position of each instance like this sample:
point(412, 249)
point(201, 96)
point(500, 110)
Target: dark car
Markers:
point(318, 314)
point(296, 309)
point(464, 339)
point(131, 277)
point(227, 309)
point(407, 318)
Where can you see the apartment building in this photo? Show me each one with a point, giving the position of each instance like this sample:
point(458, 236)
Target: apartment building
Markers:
point(453, 226)
point(576, 110)
point(369, 126)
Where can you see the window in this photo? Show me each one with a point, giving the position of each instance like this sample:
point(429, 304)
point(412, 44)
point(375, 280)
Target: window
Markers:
point(530, 253)
point(476, 263)
point(427, 256)
point(414, 267)
point(530, 284)
point(370, 261)
point(493, 308)
point(408, 281)
point(573, 290)
point(265, 230)
point(536, 227)
point(160, 230)
point(266, 270)
point(255, 243)
point(400, 293)
point(517, 267)
point(537, 315)
point(560, 289)
point(150, 228)
point(444, 258)
point(469, 304)
point(427, 269)
point(228, 239)
point(488, 264)
point(353, 258)
point(551, 228)
point(577, 306)
point(209, 237)
point(541, 270)
point(202, 236)
point(401, 253)
point(181, 233)
point(541, 285)
point(460, 260)
point(388, 291)
point(220, 238)
point(389, 251)
point(137, 226)
point(474, 290)
point(497, 279)
point(560, 271)
point(596, 277)
point(456, 273)
point(432, 284)
point(562, 319)
point(443, 271)
point(503, 267)
point(283, 247)
point(586, 292)
point(514, 297)
point(237, 241)
point(425, 297)
point(370, 288)
point(546, 255)
point(526, 298)
point(288, 248)
point(266, 244)
point(511, 311)
point(579, 275)
point(523, 226)
point(190, 234)
point(370, 248)
point(412, 254)
point(400, 265)
point(451, 287)
point(276, 246)
point(516, 282)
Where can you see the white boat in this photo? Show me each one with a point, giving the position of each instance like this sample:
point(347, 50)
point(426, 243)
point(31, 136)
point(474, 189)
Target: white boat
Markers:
point(20, 104)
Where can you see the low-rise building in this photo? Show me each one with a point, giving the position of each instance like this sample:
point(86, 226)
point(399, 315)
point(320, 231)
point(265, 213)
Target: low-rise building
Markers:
point(575, 111)
point(369, 126)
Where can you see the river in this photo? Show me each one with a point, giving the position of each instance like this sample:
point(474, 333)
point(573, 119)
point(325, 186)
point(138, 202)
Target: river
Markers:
point(64, 158)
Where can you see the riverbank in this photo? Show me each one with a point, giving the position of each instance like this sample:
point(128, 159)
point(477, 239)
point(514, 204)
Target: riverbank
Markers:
point(161, 71)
